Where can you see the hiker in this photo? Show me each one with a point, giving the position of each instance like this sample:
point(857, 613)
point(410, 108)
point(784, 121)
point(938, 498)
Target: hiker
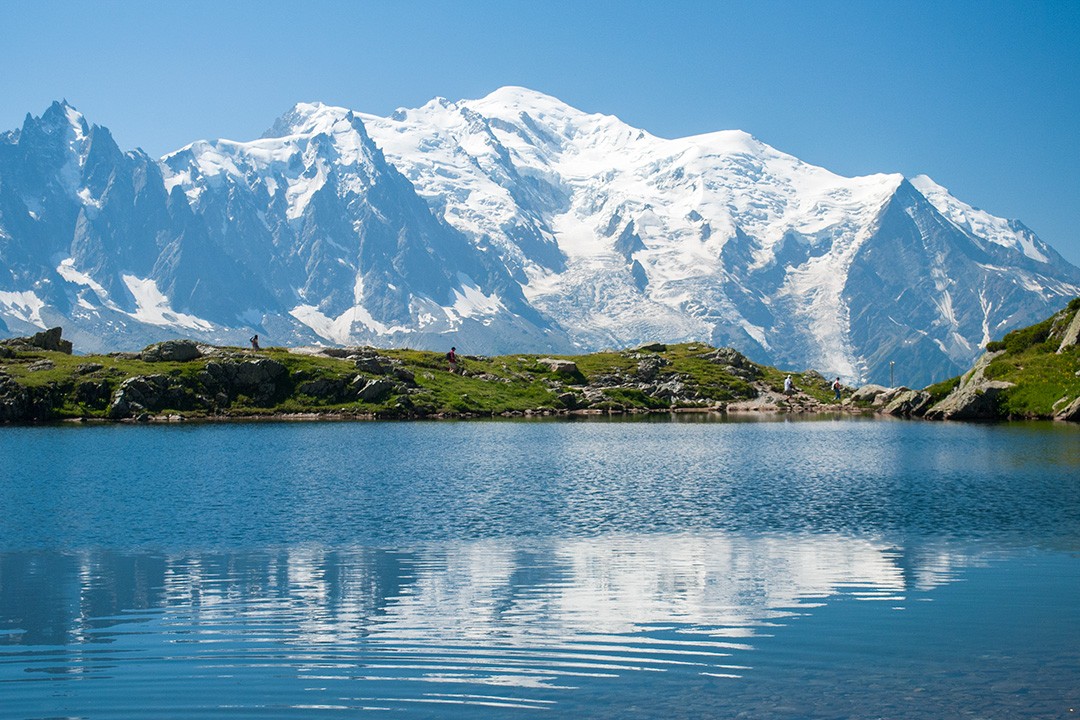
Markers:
point(836, 389)
point(255, 342)
point(451, 358)
point(789, 388)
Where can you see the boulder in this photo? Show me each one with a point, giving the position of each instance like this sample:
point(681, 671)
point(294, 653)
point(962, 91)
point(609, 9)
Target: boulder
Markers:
point(39, 365)
point(867, 393)
point(653, 348)
point(171, 351)
point(735, 363)
point(562, 367)
point(908, 403)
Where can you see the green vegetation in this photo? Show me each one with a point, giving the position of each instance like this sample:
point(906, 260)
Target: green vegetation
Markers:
point(364, 382)
point(1044, 380)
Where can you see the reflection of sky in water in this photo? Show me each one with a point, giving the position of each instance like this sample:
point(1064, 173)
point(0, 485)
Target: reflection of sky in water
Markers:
point(508, 623)
point(596, 569)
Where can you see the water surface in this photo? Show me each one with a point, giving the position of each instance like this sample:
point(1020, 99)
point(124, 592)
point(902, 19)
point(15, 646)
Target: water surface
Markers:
point(832, 569)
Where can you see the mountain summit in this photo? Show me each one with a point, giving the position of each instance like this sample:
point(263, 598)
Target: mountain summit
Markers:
point(511, 223)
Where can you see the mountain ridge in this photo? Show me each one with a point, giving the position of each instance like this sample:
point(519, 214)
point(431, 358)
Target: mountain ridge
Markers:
point(510, 223)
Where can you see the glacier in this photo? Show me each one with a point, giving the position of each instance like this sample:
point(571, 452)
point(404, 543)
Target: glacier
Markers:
point(511, 223)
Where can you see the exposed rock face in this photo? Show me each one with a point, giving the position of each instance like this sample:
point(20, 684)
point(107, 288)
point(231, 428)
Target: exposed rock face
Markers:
point(975, 402)
point(150, 393)
point(264, 380)
point(14, 400)
point(1070, 413)
point(1072, 334)
point(171, 351)
point(975, 398)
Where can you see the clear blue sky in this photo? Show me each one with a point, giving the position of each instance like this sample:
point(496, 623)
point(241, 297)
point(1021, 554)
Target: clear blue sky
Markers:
point(982, 96)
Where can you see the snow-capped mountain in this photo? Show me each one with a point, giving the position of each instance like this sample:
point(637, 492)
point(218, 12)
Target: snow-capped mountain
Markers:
point(510, 223)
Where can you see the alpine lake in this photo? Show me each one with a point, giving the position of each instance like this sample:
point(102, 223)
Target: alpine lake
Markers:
point(684, 566)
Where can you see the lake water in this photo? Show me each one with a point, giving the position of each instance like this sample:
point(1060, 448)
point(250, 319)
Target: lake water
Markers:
point(833, 568)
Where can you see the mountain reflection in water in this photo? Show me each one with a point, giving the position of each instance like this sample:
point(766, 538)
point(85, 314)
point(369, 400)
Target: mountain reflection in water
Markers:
point(538, 617)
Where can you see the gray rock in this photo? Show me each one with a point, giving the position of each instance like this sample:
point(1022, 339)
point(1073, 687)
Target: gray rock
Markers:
point(374, 364)
point(973, 401)
point(39, 365)
point(867, 393)
point(93, 393)
point(406, 376)
point(87, 368)
point(562, 367)
point(149, 393)
point(908, 403)
point(1072, 412)
point(263, 380)
point(1072, 334)
point(50, 340)
point(649, 367)
point(330, 390)
point(376, 390)
point(14, 400)
point(974, 398)
point(171, 351)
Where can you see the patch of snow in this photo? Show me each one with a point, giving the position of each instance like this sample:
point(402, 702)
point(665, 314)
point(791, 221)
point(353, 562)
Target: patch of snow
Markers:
point(152, 307)
point(24, 305)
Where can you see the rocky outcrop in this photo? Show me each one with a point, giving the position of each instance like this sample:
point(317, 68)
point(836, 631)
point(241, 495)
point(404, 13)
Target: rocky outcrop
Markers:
point(45, 340)
point(265, 381)
point(150, 393)
point(1071, 336)
point(907, 403)
point(171, 351)
point(14, 400)
point(975, 398)
point(1070, 412)
point(867, 393)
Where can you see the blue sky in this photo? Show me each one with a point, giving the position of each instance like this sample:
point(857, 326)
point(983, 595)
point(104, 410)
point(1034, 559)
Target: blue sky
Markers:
point(982, 96)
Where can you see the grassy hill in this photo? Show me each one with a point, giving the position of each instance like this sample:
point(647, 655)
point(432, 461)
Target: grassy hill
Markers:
point(182, 380)
point(1032, 372)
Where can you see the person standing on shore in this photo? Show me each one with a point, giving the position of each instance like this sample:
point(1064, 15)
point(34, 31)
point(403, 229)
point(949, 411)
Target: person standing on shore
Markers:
point(836, 389)
point(789, 387)
point(255, 342)
point(451, 359)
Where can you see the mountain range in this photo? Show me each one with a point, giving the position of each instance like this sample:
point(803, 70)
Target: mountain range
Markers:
point(513, 223)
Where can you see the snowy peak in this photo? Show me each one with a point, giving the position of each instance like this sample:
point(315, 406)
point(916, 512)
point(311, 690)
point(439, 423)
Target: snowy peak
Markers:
point(981, 224)
point(509, 223)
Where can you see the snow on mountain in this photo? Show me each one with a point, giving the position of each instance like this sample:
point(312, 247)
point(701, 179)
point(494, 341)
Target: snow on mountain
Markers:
point(514, 222)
